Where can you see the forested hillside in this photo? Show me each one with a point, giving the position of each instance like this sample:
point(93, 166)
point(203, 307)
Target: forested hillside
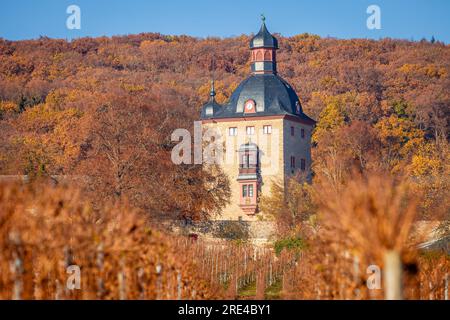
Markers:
point(105, 108)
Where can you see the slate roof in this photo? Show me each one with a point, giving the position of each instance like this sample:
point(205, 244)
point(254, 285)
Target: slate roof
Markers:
point(214, 106)
point(263, 39)
point(272, 96)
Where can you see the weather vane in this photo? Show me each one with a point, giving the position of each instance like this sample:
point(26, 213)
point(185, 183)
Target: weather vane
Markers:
point(263, 18)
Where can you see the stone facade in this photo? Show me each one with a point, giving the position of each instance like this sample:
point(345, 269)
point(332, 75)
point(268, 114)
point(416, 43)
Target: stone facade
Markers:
point(276, 149)
point(261, 135)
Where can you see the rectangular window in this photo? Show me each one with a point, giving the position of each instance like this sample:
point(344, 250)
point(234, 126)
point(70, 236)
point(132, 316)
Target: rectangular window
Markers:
point(247, 191)
point(232, 131)
point(267, 129)
point(303, 164)
point(250, 131)
point(303, 133)
point(292, 131)
point(292, 162)
point(244, 191)
point(244, 161)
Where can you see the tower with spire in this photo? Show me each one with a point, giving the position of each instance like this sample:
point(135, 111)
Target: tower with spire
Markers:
point(263, 47)
point(264, 125)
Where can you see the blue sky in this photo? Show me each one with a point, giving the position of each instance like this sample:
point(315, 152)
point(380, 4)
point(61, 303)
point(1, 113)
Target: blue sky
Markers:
point(407, 19)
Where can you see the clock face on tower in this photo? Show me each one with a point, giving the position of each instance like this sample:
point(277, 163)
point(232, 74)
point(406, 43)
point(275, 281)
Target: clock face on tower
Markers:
point(249, 106)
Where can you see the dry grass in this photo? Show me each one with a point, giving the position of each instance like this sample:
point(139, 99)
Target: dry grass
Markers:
point(364, 223)
point(45, 229)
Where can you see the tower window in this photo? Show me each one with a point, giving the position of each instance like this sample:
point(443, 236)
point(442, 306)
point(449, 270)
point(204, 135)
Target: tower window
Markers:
point(303, 164)
point(250, 191)
point(267, 129)
point(292, 131)
point(232, 131)
point(292, 162)
point(250, 131)
point(247, 191)
point(259, 55)
point(302, 133)
point(249, 160)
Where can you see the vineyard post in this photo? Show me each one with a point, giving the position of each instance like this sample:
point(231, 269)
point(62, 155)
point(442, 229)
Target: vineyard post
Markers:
point(203, 259)
point(446, 287)
point(179, 285)
point(392, 275)
point(16, 266)
point(270, 272)
point(212, 265)
point(141, 283)
point(121, 279)
point(100, 260)
point(37, 291)
point(17, 270)
point(57, 290)
point(430, 286)
point(158, 281)
point(217, 265)
point(356, 275)
point(223, 268)
point(245, 267)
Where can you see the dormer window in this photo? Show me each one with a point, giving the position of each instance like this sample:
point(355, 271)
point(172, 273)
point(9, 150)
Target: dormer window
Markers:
point(297, 106)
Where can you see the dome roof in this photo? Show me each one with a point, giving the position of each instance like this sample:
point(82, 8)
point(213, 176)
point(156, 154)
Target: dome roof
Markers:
point(271, 94)
point(263, 39)
point(210, 109)
point(264, 92)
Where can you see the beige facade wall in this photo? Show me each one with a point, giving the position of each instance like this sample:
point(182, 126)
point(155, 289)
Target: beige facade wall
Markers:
point(296, 146)
point(275, 149)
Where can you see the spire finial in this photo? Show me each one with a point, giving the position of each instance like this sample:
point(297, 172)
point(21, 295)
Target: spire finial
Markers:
point(263, 18)
point(212, 93)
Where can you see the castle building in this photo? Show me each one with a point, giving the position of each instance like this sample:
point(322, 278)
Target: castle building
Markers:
point(266, 135)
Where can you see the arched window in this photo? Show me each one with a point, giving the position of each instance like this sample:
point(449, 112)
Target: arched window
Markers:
point(267, 56)
point(259, 55)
